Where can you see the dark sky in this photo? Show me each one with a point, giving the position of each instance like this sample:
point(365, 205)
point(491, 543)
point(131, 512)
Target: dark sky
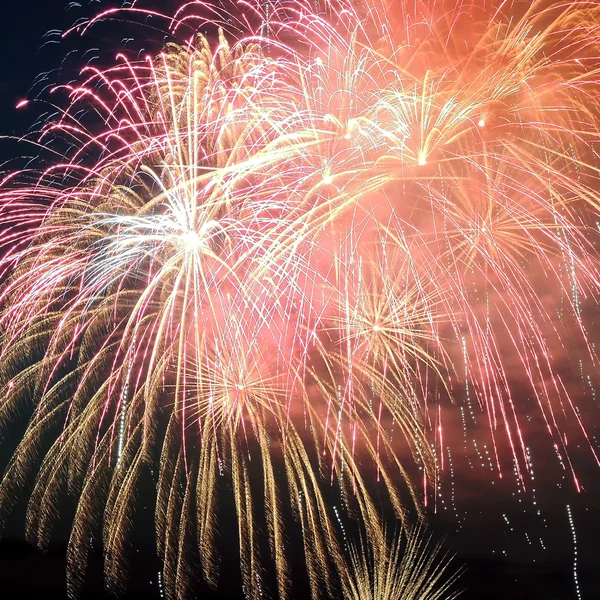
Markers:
point(24, 25)
point(516, 542)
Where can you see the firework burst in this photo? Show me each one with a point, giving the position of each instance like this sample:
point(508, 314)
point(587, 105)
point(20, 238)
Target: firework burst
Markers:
point(284, 250)
point(410, 567)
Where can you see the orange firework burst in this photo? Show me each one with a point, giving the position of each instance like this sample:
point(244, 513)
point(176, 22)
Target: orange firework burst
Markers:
point(282, 250)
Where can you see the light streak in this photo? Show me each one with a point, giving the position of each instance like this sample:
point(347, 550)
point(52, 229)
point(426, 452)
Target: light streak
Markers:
point(575, 556)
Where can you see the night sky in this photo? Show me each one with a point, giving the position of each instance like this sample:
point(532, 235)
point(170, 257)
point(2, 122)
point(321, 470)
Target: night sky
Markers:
point(515, 542)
